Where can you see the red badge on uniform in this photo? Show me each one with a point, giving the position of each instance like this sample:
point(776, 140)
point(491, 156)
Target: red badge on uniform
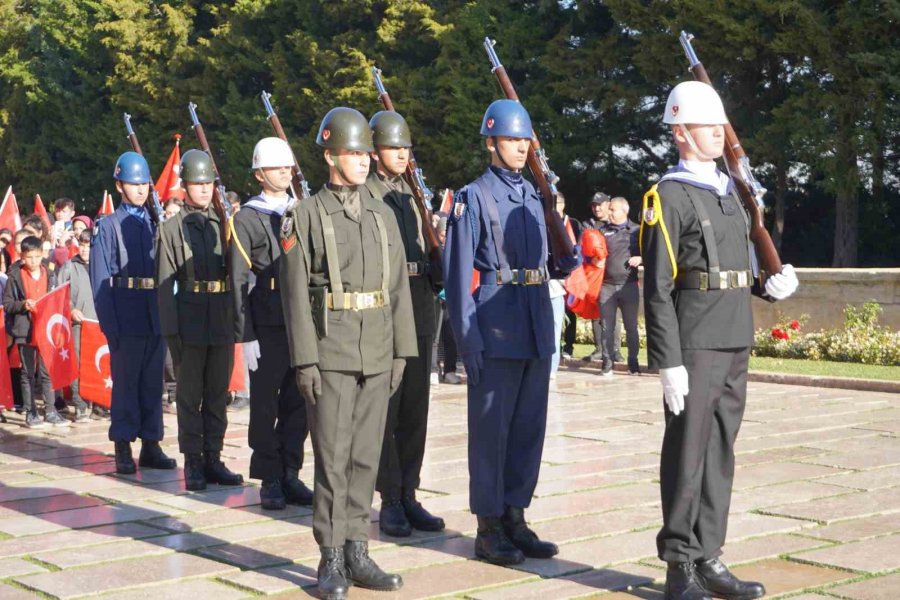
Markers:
point(490, 123)
point(326, 133)
point(674, 110)
point(288, 243)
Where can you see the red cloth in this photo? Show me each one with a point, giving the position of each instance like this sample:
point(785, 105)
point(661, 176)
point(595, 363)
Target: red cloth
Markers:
point(94, 371)
point(34, 288)
point(10, 219)
point(106, 207)
point(169, 183)
point(6, 391)
point(585, 282)
point(52, 334)
point(237, 382)
point(40, 211)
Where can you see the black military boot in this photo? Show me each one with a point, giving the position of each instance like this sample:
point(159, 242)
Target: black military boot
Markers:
point(152, 457)
point(216, 471)
point(392, 518)
point(362, 570)
point(492, 545)
point(332, 574)
point(271, 495)
point(418, 517)
point(194, 479)
point(681, 583)
point(716, 579)
point(524, 538)
point(124, 461)
point(295, 491)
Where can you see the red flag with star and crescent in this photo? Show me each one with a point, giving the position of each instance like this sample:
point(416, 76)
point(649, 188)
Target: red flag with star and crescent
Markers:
point(6, 391)
point(95, 377)
point(169, 183)
point(106, 206)
point(41, 211)
point(10, 219)
point(52, 334)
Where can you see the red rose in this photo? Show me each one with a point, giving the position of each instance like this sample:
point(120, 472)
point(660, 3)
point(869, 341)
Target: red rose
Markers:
point(795, 325)
point(776, 333)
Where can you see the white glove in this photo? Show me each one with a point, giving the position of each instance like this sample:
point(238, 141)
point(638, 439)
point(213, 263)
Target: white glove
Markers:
point(251, 354)
point(781, 285)
point(675, 387)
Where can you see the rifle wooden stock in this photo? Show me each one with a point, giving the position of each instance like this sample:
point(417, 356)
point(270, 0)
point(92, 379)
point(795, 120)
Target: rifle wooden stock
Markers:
point(560, 242)
point(412, 168)
point(219, 203)
point(299, 185)
point(154, 206)
point(736, 160)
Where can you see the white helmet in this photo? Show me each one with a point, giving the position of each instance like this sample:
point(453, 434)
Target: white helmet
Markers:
point(696, 103)
point(272, 152)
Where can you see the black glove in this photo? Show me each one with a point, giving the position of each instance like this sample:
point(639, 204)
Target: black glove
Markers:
point(397, 373)
point(309, 381)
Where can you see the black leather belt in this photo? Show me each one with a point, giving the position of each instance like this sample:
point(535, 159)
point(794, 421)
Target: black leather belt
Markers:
point(519, 276)
point(210, 287)
point(723, 280)
point(133, 283)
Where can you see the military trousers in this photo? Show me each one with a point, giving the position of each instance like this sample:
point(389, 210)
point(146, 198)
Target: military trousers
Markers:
point(507, 414)
point(697, 464)
point(407, 424)
point(201, 394)
point(347, 428)
point(136, 367)
point(278, 426)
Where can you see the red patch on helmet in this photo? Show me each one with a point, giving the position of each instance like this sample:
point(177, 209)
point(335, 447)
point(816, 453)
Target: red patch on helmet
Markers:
point(490, 123)
point(674, 110)
point(326, 133)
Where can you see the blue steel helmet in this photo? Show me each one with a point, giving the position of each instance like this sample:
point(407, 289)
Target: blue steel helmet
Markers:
point(132, 168)
point(507, 118)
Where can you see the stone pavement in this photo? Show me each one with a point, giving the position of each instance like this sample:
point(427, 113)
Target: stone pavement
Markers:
point(815, 514)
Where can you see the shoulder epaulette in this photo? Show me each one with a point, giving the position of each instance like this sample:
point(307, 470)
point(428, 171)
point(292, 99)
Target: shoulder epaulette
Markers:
point(651, 216)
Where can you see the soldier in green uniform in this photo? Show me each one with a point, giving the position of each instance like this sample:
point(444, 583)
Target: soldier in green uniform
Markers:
point(347, 307)
point(698, 280)
point(407, 421)
point(195, 313)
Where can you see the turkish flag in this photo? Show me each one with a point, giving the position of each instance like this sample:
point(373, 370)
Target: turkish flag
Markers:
point(106, 207)
point(447, 201)
point(237, 383)
point(169, 183)
point(52, 334)
point(94, 370)
point(6, 391)
point(40, 211)
point(10, 219)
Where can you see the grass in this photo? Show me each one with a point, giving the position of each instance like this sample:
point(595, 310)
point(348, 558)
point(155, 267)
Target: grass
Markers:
point(794, 366)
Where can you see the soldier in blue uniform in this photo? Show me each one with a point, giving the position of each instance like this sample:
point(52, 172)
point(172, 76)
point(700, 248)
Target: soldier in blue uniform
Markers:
point(122, 269)
point(505, 334)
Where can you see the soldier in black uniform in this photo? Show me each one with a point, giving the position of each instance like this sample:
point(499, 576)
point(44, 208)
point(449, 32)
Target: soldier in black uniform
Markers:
point(697, 286)
point(195, 314)
point(407, 420)
point(277, 413)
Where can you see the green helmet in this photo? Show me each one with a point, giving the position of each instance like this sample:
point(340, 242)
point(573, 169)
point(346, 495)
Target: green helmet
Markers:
point(390, 129)
point(345, 128)
point(197, 167)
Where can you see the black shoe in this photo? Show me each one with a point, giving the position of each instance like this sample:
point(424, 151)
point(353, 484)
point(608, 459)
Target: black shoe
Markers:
point(524, 538)
point(418, 517)
point(362, 570)
point(124, 461)
point(682, 584)
point(101, 413)
point(716, 579)
point(194, 479)
point(492, 545)
point(295, 491)
point(152, 457)
point(239, 403)
point(216, 471)
point(392, 518)
point(331, 574)
point(271, 496)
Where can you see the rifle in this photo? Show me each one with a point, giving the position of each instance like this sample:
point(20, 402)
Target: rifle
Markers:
point(220, 204)
point(154, 207)
point(298, 181)
point(416, 180)
point(560, 243)
point(748, 187)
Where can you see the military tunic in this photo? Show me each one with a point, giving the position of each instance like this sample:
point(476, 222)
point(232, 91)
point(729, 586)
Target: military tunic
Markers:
point(278, 425)
point(407, 421)
point(356, 355)
point(709, 332)
point(196, 308)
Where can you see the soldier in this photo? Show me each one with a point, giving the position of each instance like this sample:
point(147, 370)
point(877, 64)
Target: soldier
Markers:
point(196, 317)
point(277, 414)
point(349, 314)
point(504, 332)
point(122, 269)
point(698, 276)
point(407, 418)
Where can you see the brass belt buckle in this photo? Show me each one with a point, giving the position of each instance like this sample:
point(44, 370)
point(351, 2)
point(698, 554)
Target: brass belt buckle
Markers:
point(743, 279)
point(532, 277)
point(704, 281)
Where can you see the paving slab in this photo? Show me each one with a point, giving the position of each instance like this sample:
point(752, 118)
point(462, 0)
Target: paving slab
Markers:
point(886, 587)
point(875, 555)
point(783, 576)
point(846, 506)
point(191, 588)
point(857, 529)
point(588, 583)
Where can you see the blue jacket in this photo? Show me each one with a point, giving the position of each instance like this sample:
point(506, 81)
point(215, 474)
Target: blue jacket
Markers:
point(123, 246)
point(503, 321)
